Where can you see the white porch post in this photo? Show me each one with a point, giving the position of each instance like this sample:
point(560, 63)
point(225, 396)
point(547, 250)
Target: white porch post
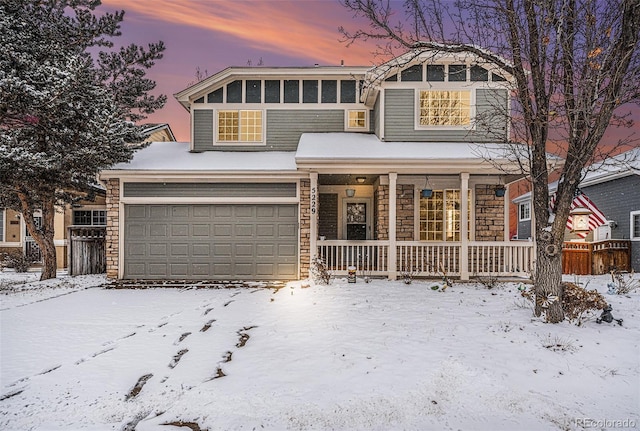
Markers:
point(313, 222)
point(464, 226)
point(507, 222)
point(393, 270)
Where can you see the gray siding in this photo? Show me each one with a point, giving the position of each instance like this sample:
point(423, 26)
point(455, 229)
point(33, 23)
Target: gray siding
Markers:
point(400, 119)
point(202, 129)
point(284, 127)
point(376, 116)
point(616, 199)
point(210, 189)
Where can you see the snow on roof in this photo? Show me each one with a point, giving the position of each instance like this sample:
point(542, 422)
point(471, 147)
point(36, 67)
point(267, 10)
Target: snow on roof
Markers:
point(360, 147)
point(175, 156)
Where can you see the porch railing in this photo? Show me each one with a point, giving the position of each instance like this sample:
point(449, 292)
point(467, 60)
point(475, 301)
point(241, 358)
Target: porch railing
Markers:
point(370, 257)
point(428, 259)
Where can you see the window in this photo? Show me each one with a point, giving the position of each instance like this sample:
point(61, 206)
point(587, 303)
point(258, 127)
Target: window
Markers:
point(309, 91)
point(457, 72)
point(90, 218)
point(272, 91)
point(234, 92)
point(435, 72)
point(445, 108)
point(347, 91)
point(253, 91)
point(240, 126)
point(413, 73)
point(215, 96)
point(356, 119)
point(440, 216)
point(329, 91)
point(524, 211)
point(635, 225)
point(479, 73)
point(291, 91)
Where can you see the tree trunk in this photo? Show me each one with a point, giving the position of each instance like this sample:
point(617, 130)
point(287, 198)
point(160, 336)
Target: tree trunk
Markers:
point(43, 235)
point(548, 282)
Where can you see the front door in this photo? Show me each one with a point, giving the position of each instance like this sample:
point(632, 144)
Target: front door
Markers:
point(356, 220)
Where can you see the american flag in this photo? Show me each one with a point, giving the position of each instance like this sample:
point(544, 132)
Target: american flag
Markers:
point(597, 218)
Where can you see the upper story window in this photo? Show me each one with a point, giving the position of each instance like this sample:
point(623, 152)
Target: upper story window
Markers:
point(357, 119)
point(240, 126)
point(524, 211)
point(89, 217)
point(444, 108)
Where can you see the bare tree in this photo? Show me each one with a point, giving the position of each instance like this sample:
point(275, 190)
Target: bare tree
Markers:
point(576, 68)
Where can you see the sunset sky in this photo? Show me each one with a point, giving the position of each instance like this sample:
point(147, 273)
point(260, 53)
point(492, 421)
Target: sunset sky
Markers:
point(214, 34)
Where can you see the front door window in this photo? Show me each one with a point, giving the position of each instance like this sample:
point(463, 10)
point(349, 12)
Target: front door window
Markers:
point(356, 221)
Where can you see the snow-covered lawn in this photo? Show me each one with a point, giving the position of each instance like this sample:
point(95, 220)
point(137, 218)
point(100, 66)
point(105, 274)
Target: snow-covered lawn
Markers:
point(377, 356)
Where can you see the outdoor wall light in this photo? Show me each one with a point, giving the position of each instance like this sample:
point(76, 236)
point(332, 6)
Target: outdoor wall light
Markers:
point(361, 180)
point(350, 193)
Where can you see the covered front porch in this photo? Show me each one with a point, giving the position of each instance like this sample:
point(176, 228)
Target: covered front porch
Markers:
point(427, 215)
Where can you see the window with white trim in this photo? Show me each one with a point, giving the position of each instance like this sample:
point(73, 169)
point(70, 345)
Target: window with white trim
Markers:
point(357, 119)
point(444, 108)
point(524, 211)
point(89, 217)
point(440, 216)
point(635, 226)
point(240, 126)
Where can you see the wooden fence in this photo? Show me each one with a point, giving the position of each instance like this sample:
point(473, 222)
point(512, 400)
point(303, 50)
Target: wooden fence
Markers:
point(595, 258)
point(86, 251)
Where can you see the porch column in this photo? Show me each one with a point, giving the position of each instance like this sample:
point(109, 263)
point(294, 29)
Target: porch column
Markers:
point(464, 226)
point(313, 222)
point(391, 264)
point(507, 207)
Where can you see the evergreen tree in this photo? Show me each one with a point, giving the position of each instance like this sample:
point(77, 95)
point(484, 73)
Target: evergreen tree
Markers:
point(64, 114)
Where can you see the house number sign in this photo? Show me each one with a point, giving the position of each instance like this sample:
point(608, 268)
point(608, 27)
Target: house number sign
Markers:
point(314, 197)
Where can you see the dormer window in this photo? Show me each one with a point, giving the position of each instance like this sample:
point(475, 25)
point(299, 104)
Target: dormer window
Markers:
point(239, 126)
point(444, 108)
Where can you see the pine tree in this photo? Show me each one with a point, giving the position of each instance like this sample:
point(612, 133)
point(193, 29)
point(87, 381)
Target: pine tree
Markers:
point(63, 114)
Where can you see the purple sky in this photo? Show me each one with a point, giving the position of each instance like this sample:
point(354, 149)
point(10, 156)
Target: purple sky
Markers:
point(213, 35)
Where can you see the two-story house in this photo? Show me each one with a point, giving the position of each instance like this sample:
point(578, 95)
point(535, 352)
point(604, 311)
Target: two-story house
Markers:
point(392, 168)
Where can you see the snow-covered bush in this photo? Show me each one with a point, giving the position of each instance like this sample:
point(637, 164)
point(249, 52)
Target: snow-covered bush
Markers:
point(320, 271)
point(18, 260)
point(578, 303)
point(624, 282)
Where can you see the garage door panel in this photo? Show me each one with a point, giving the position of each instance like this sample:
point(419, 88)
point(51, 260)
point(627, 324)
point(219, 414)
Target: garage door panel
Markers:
point(179, 230)
point(158, 250)
point(211, 241)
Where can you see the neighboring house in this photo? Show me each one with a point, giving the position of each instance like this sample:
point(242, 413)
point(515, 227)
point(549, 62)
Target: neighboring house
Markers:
point(614, 187)
point(289, 164)
point(13, 231)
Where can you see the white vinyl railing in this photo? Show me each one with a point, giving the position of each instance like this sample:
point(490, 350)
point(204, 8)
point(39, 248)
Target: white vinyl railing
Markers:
point(501, 258)
point(369, 257)
point(429, 258)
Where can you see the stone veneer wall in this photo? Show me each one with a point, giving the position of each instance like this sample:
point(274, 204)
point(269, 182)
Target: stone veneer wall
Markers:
point(381, 212)
point(489, 214)
point(305, 227)
point(404, 212)
point(113, 223)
